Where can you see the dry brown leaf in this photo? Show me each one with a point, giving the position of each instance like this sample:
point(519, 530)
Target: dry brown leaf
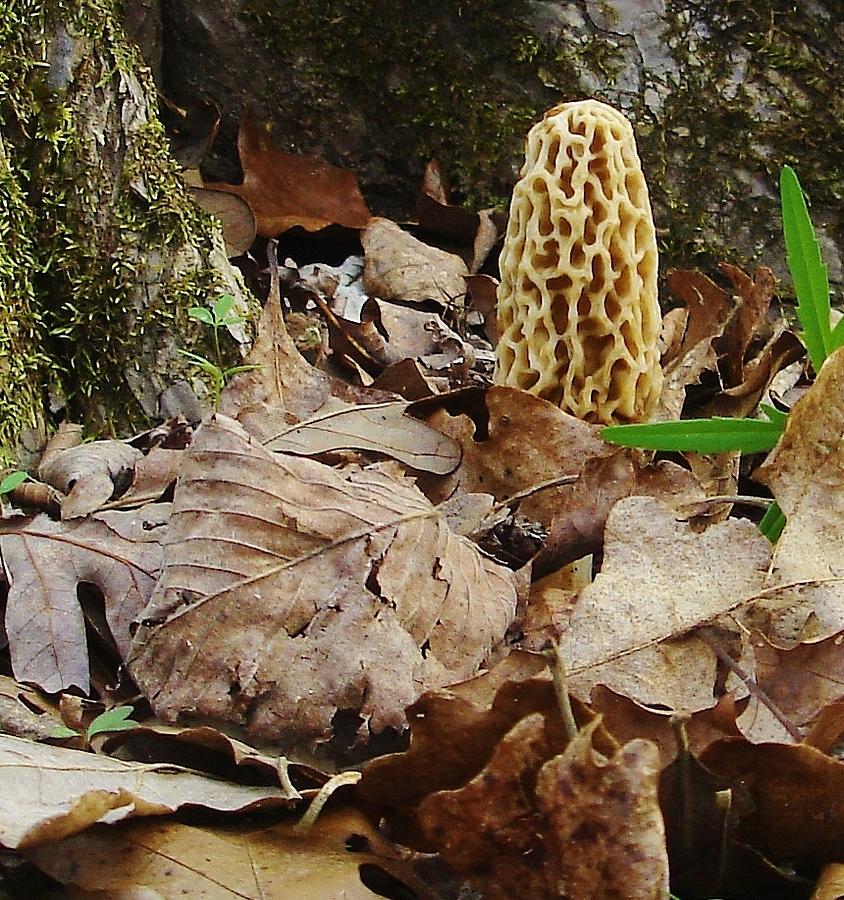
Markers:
point(45, 562)
point(235, 215)
point(380, 427)
point(659, 581)
point(454, 733)
point(18, 715)
point(205, 749)
point(491, 829)
point(578, 526)
point(170, 859)
point(604, 835)
point(800, 682)
point(89, 474)
point(285, 387)
point(287, 189)
point(47, 793)
point(532, 821)
point(290, 590)
point(398, 266)
point(153, 474)
point(512, 441)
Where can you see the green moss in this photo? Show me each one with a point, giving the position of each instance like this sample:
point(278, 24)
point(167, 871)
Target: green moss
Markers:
point(713, 134)
point(102, 221)
point(434, 76)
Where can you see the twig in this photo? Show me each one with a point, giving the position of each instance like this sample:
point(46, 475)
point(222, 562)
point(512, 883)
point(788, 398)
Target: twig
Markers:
point(557, 665)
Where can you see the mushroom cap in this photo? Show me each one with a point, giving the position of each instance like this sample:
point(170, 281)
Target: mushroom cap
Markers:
point(578, 311)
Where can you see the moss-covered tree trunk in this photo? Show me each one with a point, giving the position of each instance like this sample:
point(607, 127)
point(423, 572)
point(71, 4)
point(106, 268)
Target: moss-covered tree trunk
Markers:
point(102, 249)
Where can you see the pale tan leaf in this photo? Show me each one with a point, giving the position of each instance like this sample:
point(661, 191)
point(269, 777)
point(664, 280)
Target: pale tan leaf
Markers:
point(45, 561)
point(169, 859)
point(47, 793)
point(382, 427)
point(398, 266)
point(659, 580)
point(291, 590)
point(235, 215)
point(805, 471)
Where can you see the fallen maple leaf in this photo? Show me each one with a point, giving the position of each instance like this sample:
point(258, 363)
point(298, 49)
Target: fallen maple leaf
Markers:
point(290, 590)
point(45, 561)
point(289, 189)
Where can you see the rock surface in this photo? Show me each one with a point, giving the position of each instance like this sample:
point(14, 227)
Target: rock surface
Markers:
point(721, 95)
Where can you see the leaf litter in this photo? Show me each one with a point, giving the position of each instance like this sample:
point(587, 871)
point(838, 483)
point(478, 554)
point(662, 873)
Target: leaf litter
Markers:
point(346, 569)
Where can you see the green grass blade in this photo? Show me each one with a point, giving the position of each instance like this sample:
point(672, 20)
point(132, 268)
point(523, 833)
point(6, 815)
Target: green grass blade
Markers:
point(714, 435)
point(772, 523)
point(808, 271)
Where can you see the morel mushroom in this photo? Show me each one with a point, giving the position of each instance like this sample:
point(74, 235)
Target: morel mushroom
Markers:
point(578, 312)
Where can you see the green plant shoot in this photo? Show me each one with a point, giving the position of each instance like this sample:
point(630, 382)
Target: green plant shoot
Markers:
point(808, 272)
point(116, 719)
point(11, 481)
point(220, 316)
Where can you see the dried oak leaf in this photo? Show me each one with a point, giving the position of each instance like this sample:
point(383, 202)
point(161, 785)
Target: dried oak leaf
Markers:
point(659, 581)
point(291, 590)
point(44, 563)
point(47, 793)
point(533, 823)
point(398, 266)
point(289, 189)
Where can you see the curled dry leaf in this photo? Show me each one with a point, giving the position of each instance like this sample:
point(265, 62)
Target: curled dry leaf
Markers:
point(380, 427)
point(45, 561)
point(291, 590)
point(47, 793)
point(454, 734)
point(398, 266)
point(235, 215)
point(512, 441)
point(284, 387)
point(659, 581)
point(288, 189)
point(89, 474)
point(578, 525)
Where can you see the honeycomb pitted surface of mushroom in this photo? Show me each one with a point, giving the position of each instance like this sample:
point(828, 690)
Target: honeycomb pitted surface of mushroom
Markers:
point(578, 312)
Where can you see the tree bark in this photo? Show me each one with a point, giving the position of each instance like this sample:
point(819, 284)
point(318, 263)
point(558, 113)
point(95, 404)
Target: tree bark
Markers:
point(103, 250)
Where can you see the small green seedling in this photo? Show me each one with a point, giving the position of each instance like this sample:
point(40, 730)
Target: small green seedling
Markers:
point(717, 435)
point(12, 481)
point(220, 316)
point(116, 719)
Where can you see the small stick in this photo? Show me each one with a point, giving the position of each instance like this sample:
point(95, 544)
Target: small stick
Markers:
point(557, 665)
